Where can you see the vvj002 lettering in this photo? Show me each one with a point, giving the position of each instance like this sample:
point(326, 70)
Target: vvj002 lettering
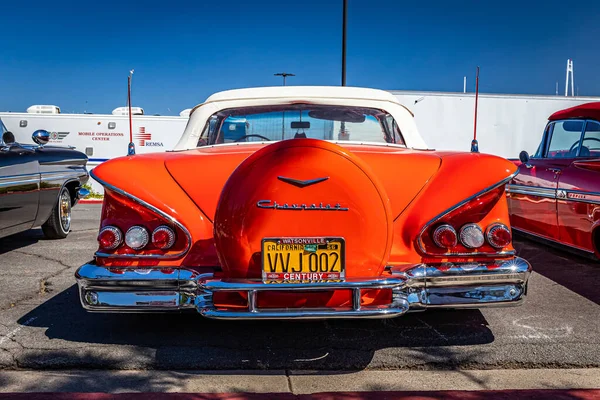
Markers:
point(316, 262)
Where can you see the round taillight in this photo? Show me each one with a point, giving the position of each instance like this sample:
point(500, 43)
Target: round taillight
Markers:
point(498, 235)
point(471, 236)
point(163, 237)
point(137, 237)
point(445, 236)
point(110, 237)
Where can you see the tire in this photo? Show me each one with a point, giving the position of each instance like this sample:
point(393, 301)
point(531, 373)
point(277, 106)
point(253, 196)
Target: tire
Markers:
point(58, 224)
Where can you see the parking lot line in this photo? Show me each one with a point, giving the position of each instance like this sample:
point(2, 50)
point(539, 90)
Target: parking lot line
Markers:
point(14, 332)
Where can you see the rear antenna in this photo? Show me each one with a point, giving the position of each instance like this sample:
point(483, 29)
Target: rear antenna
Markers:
point(131, 147)
point(474, 143)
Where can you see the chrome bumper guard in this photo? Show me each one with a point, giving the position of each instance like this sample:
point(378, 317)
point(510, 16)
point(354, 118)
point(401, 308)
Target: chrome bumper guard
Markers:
point(465, 285)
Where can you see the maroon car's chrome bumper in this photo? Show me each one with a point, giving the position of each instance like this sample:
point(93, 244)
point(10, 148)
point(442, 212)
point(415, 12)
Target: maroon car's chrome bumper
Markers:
point(466, 285)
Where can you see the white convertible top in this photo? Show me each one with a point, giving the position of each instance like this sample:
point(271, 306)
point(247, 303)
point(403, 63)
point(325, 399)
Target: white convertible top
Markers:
point(276, 92)
point(277, 95)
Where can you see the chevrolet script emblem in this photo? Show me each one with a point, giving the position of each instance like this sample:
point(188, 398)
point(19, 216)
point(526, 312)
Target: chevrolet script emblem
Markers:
point(301, 184)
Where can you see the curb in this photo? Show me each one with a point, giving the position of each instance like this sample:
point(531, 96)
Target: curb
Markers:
point(90, 201)
point(566, 394)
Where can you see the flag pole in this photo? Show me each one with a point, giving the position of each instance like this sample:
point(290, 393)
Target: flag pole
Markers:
point(131, 147)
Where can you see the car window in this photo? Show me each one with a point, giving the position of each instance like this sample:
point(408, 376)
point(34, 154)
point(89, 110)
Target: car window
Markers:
point(281, 122)
point(590, 147)
point(565, 138)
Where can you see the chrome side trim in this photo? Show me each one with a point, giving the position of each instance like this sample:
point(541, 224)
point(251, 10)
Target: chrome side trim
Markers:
point(19, 179)
point(56, 176)
point(74, 161)
point(443, 214)
point(531, 191)
point(579, 196)
point(154, 209)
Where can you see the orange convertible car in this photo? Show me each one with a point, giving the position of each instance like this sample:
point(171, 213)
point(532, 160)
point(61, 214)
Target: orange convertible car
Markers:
point(303, 202)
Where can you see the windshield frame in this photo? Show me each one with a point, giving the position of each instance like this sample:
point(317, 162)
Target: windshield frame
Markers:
point(212, 133)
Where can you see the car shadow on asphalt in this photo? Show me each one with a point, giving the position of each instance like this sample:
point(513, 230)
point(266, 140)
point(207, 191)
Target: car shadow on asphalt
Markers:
point(578, 274)
point(20, 240)
point(187, 341)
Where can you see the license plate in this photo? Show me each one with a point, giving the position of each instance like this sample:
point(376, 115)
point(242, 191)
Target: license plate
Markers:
point(303, 260)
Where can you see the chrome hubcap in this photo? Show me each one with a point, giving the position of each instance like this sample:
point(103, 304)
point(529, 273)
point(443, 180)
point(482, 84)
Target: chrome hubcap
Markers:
point(64, 210)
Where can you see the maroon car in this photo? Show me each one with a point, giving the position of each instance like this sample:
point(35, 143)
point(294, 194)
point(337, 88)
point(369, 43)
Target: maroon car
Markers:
point(556, 194)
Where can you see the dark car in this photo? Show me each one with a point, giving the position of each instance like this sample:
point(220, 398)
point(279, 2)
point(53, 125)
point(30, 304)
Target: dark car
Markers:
point(38, 185)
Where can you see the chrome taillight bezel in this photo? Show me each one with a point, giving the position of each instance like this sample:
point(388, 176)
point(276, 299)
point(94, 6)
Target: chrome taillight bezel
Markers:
point(118, 237)
point(437, 232)
point(471, 228)
point(490, 230)
point(145, 237)
point(170, 232)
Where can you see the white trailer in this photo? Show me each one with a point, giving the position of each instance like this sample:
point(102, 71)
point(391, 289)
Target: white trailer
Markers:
point(506, 123)
point(100, 136)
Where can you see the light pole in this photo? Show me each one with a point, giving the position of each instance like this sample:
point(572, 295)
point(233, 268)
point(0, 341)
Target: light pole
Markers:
point(343, 135)
point(284, 75)
point(344, 19)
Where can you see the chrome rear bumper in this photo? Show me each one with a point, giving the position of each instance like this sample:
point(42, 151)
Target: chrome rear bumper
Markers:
point(467, 285)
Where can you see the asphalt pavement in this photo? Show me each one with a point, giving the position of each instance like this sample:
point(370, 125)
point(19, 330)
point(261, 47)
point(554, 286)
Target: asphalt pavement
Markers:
point(42, 325)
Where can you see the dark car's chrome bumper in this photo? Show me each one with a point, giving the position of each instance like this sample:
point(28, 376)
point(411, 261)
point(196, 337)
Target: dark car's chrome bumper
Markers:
point(466, 285)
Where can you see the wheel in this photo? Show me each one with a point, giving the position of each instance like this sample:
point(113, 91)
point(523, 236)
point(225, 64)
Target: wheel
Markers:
point(58, 224)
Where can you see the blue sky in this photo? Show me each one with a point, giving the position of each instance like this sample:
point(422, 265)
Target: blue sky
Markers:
point(77, 54)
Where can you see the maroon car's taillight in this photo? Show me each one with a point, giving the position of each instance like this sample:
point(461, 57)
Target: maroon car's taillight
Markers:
point(444, 236)
point(110, 237)
point(137, 237)
point(498, 235)
point(163, 237)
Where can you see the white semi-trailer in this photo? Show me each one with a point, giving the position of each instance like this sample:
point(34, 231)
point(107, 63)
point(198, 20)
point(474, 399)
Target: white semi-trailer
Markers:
point(99, 136)
point(506, 123)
